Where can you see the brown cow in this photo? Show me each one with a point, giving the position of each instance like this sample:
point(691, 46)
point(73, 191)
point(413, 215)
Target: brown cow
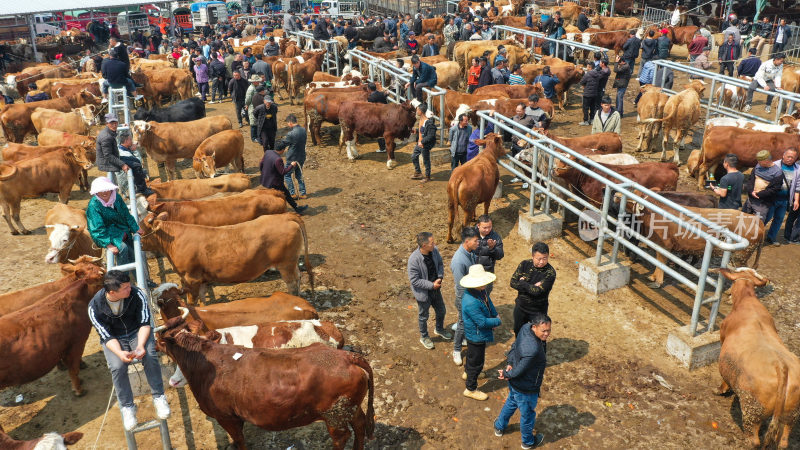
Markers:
point(327, 384)
point(68, 235)
point(616, 23)
point(280, 71)
point(21, 80)
point(16, 119)
point(474, 182)
point(58, 90)
point(521, 91)
point(719, 141)
point(55, 172)
point(53, 441)
point(592, 144)
point(48, 136)
point(32, 343)
point(435, 25)
point(461, 48)
point(168, 141)
point(663, 176)
point(756, 365)
point(302, 73)
point(612, 40)
point(228, 210)
point(84, 268)
point(681, 112)
point(675, 239)
point(46, 84)
point(163, 83)
point(650, 106)
point(682, 35)
point(77, 121)
point(322, 105)
point(201, 254)
point(568, 75)
point(390, 121)
point(459, 102)
point(200, 187)
point(219, 150)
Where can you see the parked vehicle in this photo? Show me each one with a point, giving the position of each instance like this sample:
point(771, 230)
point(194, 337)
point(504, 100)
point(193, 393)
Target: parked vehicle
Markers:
point(208, 12)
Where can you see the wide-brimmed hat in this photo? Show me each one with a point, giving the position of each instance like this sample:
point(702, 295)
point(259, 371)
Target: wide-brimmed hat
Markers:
point(102, 184)
point(477, 277)
point(255, 78)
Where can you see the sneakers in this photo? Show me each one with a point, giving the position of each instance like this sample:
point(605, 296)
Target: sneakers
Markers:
point(767, 109)
point(746, 108)
point(498, 433)
point(444, 334)
point(515, 180)
point(427, 343)
point(476, 395)
point(381, 150)
point(464, 342)
point(212, 102)
point(416, 176)
point(162, 407)
point(457, 358)
point(129, 417)
point(464, 376)
point(537, 441)
point(584, 123)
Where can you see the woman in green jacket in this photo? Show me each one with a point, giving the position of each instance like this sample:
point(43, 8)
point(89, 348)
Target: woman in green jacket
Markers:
point(110, 223)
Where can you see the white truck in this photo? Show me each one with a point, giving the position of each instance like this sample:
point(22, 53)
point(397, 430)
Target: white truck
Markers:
point(343, 8)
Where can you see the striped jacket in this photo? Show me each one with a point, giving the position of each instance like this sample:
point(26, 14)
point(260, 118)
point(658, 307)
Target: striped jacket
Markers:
point(135, 314)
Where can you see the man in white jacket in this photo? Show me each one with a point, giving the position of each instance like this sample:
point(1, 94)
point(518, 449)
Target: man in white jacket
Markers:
point(768, 78)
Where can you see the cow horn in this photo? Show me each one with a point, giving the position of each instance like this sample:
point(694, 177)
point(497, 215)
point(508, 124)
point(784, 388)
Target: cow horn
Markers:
point(185, 313)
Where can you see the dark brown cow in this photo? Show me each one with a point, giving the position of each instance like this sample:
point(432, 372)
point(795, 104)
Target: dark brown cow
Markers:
point(322, 105)
point(16, 120)
point(50, 441)
point(719, 141)
point(228, 210)
point(756, 365)
point(302, 73)
point(201, 254)
point(663, 176)
point(435, 25)
point(520, 91)
point(54, 172)
point(30, 75)
point(474, 182)
point(391, 121)
point(326, 384)
point(84, 268)
point(32, 343)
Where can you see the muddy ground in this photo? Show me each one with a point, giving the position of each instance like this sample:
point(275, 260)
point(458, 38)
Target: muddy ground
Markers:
point(610, 383)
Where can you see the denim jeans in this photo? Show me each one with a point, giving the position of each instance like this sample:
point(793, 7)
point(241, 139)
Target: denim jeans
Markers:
point(298, 174)
point(620, 99)
point(776, 212)
point(526, 403)
point(437, 302)
point(119, 369)
point(203, 87)
point(458, 159)
point(129, 85)
point(426, 159)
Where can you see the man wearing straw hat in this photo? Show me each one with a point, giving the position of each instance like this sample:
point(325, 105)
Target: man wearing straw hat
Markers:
point(480, 317)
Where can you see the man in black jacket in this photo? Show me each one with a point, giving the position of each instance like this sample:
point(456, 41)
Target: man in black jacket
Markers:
point(763, 186)
point(266, 115)
point(533, 280)
point(426, 139)
point(237, 87)
point(527, 360)
point(376, 96)
point(490, 247)
point(430, 49)
point(729, 52)
point(623, 76)
point(582, 22)
point(763, 33)
point(115, 74)
point(321, 30)
point(649, 48)
point(216, 73)
point(590, 82)
point(121, 316)
point(630, 49)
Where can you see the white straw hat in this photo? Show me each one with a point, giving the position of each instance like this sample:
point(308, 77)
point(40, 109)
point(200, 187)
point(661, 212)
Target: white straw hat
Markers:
point(102, 184)
point(477, 277)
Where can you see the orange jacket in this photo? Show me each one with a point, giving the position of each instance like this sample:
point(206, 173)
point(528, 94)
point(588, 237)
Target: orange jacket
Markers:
point(474, 74)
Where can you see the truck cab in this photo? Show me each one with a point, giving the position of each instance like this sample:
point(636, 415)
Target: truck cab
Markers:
point(341, 7)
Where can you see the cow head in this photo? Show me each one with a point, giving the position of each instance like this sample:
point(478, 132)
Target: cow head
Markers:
point(87, 98)
point(79, 153)
point(7, 171)
point(205, 165)
point(87, 114)
point(142, 115)
point(85, 268)
point(62, 237)
point(139, 128)
point(744, 280)
point(698, 85)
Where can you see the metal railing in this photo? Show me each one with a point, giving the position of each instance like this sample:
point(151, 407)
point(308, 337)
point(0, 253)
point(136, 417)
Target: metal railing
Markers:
point(655, 16)
point(330, 62)
point(562, 46)
point(785, 98)
point(715, 236)
point(405, 6)
point(792, 46)
point(381, 70)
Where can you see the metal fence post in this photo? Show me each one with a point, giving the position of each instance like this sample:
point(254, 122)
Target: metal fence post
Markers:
point(603, 222)
point(620, 219)
point(701, 286)
point(549, 178)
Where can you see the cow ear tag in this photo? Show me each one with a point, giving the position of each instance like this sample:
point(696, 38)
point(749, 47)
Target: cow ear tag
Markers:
point(236, 356)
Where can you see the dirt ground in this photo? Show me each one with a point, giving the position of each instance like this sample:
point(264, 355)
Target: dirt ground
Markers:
point(610, 383)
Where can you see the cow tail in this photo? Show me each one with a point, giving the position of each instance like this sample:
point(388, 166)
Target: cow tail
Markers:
point(758, 254)
point(289, 78)
point(775, 428)
point(309, 269)
point(364, 364)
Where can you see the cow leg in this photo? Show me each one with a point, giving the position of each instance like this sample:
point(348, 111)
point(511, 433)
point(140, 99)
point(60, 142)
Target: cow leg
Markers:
point(658, 274)
point(678, 146)
point(352, 152)
point(452, 210)
point(723, 388)
point(73, 362)
point(787, 429)
point(390, 146)
point(664, 143)
point(169, 165)
point(234, 428)
point(290, 273)
point(752, 414)
point(359, 424)
point(486, 207)
point(17, 221)
point(7, 216)
point(339, 432)
point(63, 195)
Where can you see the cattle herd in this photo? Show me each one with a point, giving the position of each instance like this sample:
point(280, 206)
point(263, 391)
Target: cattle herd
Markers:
point(216, 228)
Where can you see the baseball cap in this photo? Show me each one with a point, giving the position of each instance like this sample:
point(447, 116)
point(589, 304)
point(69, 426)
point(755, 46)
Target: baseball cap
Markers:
point(111, 117)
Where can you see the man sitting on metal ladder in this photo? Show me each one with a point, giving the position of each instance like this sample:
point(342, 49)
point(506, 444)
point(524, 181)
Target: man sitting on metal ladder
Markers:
point(121, 316)
point(115, 74)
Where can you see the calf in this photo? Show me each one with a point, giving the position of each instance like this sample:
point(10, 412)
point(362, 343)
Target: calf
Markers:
point(167, 142)
point(474, 182)
point(69, 238)
point(84, 268)
point(219, 150)
point(55, 172)
point(391, 121)
point(201, 254)
point(302, 73)
point(756, 365)
point(199, 188)
point(32, 343)
point(681, 112)
point(454, 100)
point(182, 111)
point(327, 384)
point(732, 96)
point(650, 106)
point(228, 210)
point(50, 441)
point(322, 105)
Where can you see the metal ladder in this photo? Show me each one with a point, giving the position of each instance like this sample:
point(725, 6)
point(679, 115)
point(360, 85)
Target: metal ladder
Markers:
point(118, 104)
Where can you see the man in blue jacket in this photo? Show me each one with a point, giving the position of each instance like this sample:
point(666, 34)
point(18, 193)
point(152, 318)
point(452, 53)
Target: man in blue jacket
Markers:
point(480, 317)
point(527, 360)
point(424, 75)
point(549, 83)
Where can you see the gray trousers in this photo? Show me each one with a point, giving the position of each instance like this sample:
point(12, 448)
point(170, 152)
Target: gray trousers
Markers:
point(119, 369)
point(437, 302)
point(753, 86)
